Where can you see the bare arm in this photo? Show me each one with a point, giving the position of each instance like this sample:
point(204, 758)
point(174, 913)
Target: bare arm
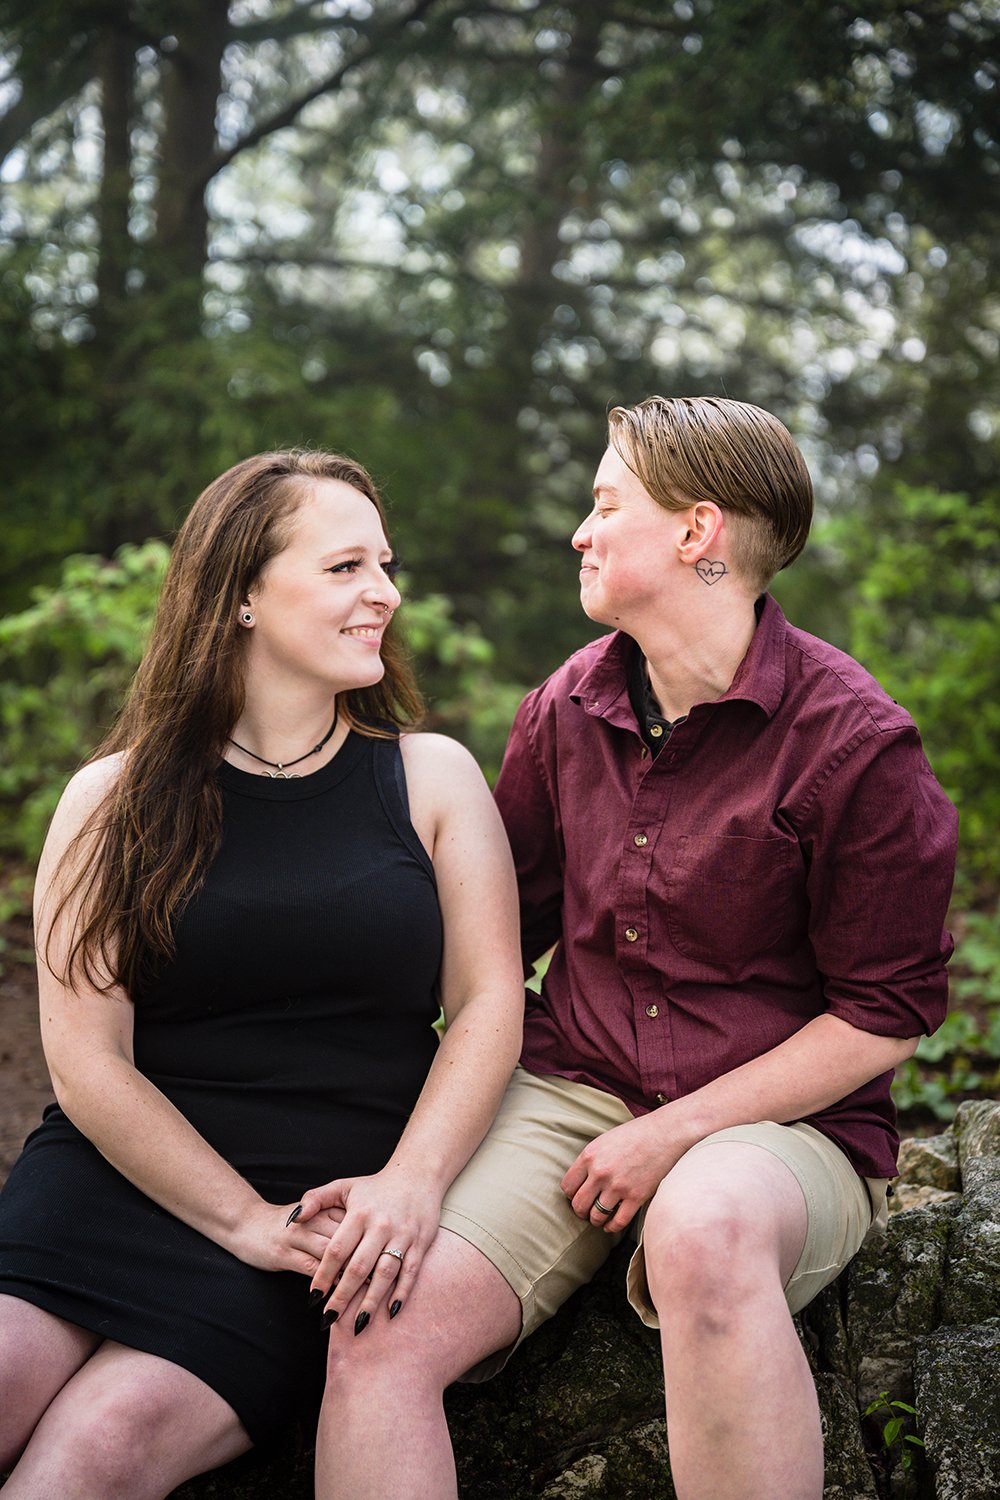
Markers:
point(483, 1001)
point(825, 1061)
point(87, 1036)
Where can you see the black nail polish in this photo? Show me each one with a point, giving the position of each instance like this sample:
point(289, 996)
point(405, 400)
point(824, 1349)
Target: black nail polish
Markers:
point(316, 1296)
point(361, 1323)
point(394, 1309)
point(329, 1317)
point(293, 1215)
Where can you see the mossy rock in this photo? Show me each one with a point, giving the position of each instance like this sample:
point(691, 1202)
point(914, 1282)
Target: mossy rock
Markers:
point(847, 1471)
point(972, 1279)
point(977, 1130)
point(894, 1287)
point(578, 1411)
point(958, 1397)
point(930, 1161)
point(284, 1472)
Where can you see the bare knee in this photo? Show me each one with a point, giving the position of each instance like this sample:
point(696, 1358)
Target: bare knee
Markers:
point(461, 1311)
point(122, 1434)
point(391, 1355)
point(106, 1440)
point(705, 1261)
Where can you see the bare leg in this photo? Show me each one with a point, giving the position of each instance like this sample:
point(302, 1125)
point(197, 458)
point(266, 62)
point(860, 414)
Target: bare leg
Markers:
point(38, 1354)
point(127, 1426)
point(382, 1430)
point(722, 1236)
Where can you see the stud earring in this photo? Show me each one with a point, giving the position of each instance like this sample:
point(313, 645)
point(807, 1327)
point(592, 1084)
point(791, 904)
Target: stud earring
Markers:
point(247, 617)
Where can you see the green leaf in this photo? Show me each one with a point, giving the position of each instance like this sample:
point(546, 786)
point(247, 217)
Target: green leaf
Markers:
point(892, 1430)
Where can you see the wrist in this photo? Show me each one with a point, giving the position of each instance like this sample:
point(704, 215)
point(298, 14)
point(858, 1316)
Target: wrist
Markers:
point(685, 1122)
point(426, 1167)
point(236, 1224)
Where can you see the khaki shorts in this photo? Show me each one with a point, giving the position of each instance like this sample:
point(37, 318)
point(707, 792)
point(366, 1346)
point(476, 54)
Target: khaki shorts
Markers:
point(508, 1203)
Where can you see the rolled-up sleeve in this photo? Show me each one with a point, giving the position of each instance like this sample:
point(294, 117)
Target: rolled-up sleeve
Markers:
point(879, 836)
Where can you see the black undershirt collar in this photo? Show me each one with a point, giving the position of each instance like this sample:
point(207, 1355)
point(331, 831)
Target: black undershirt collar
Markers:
point(653, 727)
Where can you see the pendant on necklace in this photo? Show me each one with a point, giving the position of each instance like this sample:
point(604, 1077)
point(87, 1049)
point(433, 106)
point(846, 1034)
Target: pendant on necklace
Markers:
point(280, 775)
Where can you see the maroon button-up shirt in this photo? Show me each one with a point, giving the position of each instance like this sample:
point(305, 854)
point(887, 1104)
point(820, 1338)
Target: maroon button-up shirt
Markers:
point(787, 853)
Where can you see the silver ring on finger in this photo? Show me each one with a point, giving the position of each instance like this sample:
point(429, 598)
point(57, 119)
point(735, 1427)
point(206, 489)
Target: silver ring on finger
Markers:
point(602, 1210)
point(397, 1253)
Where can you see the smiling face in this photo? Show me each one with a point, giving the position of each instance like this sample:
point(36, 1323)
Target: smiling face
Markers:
point(627, 545)
point(321, 604)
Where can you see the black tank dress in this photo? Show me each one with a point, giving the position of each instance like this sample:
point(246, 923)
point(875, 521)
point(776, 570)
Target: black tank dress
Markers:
point(295, 1031)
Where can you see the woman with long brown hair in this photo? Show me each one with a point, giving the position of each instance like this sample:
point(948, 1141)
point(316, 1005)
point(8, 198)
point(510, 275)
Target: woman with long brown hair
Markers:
point(250, 905)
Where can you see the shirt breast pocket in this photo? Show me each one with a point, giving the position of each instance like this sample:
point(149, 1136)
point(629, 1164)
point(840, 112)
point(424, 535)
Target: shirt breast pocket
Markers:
point(731, 899)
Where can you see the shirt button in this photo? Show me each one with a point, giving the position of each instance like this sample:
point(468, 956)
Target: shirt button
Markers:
point(631, 935)
point(656, 730)
point(640, 841)
point(652, 1011)
point(661, 1098)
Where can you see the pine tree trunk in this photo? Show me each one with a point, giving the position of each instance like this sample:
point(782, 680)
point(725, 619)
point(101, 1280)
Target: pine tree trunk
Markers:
point(117, 73)
point(190, 98)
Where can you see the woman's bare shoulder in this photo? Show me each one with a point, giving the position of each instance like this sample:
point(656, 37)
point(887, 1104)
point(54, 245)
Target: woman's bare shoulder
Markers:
point(437, 757)
point(84, 793)
point(92, 782)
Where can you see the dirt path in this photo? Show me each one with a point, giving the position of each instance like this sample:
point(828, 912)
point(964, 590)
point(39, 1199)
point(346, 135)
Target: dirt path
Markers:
point(24, 1082)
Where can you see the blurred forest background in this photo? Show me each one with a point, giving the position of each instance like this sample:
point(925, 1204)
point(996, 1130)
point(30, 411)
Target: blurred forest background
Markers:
point(444, 236)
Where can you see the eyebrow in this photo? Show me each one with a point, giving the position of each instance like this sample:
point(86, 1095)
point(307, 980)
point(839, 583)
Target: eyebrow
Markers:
point(350, 551)
point(604, 489)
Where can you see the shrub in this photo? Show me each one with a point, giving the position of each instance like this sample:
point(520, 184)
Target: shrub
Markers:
point(926, 622)
point(65, 665)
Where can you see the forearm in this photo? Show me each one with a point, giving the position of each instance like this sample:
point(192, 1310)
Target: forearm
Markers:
point(463, 1090)
point(137, 1129)
point(823, 1062)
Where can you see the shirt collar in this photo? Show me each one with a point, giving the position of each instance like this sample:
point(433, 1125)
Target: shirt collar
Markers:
point(602, 688)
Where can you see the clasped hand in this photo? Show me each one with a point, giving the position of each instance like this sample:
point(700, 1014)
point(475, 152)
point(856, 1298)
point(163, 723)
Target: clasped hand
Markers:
point(620, 1170)
point(377, 1214)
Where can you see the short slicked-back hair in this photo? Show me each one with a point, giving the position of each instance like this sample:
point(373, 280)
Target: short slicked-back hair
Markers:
point(689, 448)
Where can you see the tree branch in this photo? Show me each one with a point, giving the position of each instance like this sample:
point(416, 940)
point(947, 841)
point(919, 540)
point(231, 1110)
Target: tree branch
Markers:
point(45, 94)
point(287, 116)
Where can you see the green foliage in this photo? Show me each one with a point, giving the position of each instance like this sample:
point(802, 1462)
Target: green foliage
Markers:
point(926, 622)
point(15, 902)
point(978, 978)
point(925, 619)
point(962, 1058)
point(65, 665)
point(455, 667)
point(939, 1093)
point(893, 1435)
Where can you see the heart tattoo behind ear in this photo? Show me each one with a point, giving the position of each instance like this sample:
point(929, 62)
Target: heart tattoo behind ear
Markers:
point(710, 572)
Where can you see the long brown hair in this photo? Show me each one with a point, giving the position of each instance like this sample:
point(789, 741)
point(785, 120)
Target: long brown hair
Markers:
point(155, 834)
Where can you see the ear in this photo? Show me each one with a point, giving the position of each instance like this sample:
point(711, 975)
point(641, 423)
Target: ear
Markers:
point(704, 522)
